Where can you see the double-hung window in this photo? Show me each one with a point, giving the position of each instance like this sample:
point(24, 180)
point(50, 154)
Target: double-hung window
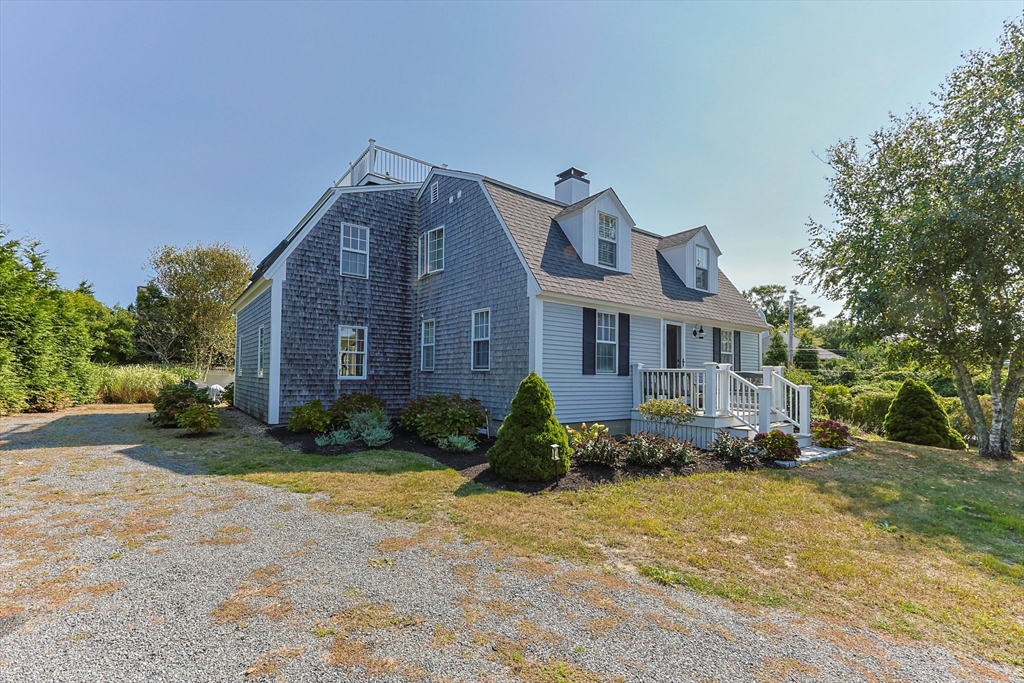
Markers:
point(355, 251)
point(427, 346)
point(703, 256)
point(727, 346)
point(607, 342)
point(431, 251)
point(351, 352)
point(607, 240)
point(259, 354)
point(482, 339)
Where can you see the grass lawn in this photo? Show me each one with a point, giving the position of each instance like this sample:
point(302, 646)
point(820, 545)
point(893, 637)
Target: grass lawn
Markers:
point(921, 543)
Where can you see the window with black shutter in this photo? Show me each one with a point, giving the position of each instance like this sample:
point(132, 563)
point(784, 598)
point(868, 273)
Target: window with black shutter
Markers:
point(623, 344)
point(737, 361)
point(716, 344)
point(589, 341)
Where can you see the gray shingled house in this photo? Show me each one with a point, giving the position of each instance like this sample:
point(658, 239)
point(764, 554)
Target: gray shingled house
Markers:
point(407, 279)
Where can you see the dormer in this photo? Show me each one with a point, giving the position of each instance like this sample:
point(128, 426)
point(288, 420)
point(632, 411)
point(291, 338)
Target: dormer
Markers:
point(599, 229)
point(693, 255)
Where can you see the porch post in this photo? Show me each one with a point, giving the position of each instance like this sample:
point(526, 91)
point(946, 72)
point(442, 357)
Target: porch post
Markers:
point(711, 389)
point(636, 370)
point(766, 375)
point(805, 408)
point(764, 409)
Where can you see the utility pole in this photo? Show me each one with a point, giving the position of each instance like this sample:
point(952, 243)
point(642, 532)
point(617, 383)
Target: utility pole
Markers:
point(791, 306)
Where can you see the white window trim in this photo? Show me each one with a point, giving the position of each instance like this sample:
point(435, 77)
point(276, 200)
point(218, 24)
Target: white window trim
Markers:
point(614, 242)
point(473, 340)
point(259, 352)
point(707, 262)
point(728, 334)
point(423, 260)
point(355, 251)
point(432, 345)
point(238, 353)
point(366, 351)
point(614, 344)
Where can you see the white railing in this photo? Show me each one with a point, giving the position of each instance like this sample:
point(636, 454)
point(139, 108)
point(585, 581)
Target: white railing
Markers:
point(790, 402)
point(683, 384)
point(717, 391)
point(386, 164)
point(740, 398)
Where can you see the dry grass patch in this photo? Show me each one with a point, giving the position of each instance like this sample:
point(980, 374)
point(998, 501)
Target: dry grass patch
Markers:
point(666, 624)
point(272, 662)
point(786, 669)
point(229, 535)
point(259, 595)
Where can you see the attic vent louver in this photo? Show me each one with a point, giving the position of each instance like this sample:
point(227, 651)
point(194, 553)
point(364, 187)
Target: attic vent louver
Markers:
point(433, 192)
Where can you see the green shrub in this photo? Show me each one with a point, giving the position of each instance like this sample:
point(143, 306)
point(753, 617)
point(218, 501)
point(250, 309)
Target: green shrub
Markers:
point(916, 417)
point(49, 400)
point(778, 445)
point(456, 444)
point(679, 453)
point(440, 415)
point(523, 449)
point(173, 400)
point(829, 434)
point(199, 418)
point(376, 436)
point(644, 449)
point(309, 417)
point(229, 394)
point(670, 412)
point(339, 437)
point(961, 423)
point(348, 405)
point(837, 401)
point(870, 409)
point(734, 449)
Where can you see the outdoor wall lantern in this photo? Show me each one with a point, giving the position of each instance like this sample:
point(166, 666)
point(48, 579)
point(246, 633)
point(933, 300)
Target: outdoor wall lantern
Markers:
point(554, 452)
point(698, 332)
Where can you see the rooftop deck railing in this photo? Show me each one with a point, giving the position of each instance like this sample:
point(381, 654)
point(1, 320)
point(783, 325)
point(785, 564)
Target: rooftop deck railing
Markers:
point(385, 164)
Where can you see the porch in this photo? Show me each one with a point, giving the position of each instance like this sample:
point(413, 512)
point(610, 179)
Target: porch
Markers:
point(724, 399)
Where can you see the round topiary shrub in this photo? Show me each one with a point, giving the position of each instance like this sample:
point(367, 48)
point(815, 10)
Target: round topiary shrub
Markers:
point(916, 417)
point(523, 449)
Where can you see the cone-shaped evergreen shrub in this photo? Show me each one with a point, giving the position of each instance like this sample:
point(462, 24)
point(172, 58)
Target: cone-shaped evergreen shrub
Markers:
point(523, 449)
point(915, 416)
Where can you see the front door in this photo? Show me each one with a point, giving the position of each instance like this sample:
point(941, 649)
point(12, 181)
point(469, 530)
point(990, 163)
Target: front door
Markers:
point(673, 346)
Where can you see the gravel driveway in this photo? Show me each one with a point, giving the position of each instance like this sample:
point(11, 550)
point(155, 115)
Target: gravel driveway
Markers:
point(118, 563)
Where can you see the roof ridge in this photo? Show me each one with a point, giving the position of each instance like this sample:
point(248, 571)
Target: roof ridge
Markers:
point(514, 188)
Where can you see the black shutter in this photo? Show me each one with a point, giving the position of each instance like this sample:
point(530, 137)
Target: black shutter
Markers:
point(623, 344)
point(716, 344)
point(589, 341)
point(736, 362)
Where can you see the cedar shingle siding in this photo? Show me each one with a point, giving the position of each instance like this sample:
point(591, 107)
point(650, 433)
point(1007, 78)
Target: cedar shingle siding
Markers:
point(481, 270)
point(317, 299)
point(252, 392)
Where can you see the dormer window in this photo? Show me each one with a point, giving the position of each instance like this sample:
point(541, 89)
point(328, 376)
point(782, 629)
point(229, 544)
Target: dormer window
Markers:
point(607, 240)
point(703, 258)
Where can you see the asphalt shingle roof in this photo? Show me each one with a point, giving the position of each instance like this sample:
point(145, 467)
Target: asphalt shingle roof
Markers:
point(652, 283)
point(678, 238)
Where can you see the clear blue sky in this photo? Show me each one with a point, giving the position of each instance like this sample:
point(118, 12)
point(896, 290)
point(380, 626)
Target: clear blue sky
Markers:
point(125, 126)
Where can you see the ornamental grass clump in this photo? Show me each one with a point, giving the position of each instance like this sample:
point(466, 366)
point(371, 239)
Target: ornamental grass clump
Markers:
point(523, 451)
point(456, 444)
point(372, 426)
point(916, 417)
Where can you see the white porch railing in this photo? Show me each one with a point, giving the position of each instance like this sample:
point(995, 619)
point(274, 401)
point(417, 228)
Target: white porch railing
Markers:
point(386, 164)
point(716, 391)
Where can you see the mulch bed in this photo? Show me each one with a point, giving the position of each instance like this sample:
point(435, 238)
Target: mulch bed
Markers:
point(474, 465)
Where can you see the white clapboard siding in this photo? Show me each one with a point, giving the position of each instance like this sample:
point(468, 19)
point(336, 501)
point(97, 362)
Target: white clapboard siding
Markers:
point(750, 351)
point(698, 351)
point(586, 398)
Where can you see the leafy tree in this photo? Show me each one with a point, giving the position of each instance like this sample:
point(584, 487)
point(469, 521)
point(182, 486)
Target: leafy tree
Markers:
point(198, 284)
point(111, 329)
point(523, 449)
point(930, 226)
point(44, 335)
point(158, 329)
point(806, 356)
point(774, 301)
point(777, 353)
